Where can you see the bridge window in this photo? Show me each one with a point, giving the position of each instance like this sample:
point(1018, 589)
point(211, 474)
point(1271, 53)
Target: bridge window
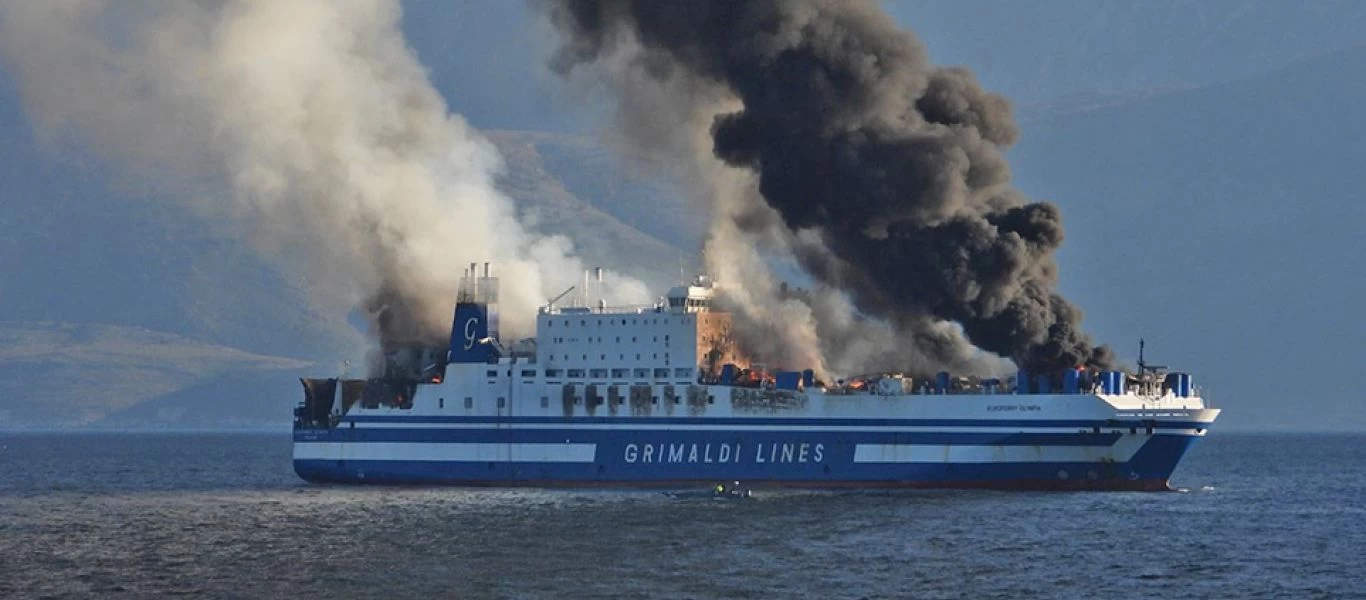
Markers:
point(661, 373)
point(598, 373)
point(576, 373)
point(642, 373)
point(529, 373)
point(682, 373)
point(469, 402)
point(554, 372)
point(491, 373)
point(619, 373)
point(502, 402)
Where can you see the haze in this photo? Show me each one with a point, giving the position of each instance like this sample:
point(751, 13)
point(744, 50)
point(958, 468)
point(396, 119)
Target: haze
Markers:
point(1204, 155)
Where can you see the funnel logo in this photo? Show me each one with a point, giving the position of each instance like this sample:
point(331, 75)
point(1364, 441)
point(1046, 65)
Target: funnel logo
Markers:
point(470, 325)
point(471, 331)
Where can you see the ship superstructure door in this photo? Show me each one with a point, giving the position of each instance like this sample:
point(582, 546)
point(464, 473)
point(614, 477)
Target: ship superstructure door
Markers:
point(506, 400)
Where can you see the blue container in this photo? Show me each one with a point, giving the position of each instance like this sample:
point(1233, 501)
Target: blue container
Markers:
point(1116, 380)
point(1044, 384)
point(1022, 382)
point(991, 385)
point(941, 382)
point(1070, 381)
point(727, 374)
point(786, 380)
point(1173, 382)
point(808, 378)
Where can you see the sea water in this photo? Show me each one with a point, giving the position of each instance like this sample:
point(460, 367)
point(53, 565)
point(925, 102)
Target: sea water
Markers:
point(223, 516)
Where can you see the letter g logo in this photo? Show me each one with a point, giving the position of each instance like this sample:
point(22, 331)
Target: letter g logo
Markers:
point(471, 326)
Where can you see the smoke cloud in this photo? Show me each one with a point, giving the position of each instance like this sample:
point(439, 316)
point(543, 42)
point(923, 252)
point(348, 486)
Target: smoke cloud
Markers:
point(306, 128)
point(879, 174)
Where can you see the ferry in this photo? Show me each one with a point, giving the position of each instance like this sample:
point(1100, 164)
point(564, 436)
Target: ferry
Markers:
point(661, 396)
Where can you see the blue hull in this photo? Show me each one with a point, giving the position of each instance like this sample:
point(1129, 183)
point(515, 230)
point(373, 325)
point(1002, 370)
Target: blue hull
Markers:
point(626, 458)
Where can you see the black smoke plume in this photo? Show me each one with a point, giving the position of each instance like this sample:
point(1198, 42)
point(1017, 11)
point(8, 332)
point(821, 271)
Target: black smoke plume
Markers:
point(896, 164)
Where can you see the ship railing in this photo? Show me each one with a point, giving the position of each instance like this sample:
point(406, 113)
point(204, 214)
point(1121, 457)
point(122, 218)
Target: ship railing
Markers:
point(625, 309)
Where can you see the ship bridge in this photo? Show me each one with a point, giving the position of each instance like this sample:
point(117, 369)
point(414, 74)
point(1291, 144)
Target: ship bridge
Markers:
point(680, 340)
point(697, 297)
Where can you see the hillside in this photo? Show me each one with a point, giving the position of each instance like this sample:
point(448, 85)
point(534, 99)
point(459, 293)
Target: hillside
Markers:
point(121, 310)
point(66, 374)
point(1221, 222)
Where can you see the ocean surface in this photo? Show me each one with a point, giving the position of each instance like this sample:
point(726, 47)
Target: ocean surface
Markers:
point(223, 516)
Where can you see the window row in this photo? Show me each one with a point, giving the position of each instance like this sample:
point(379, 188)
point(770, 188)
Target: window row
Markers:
point(545, 401)
point(610, 322)
point(591, 339)
point(639, 373)
point(619, 356)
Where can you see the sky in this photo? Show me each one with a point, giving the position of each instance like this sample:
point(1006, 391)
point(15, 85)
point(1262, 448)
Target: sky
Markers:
point(1203, 154)
point(1191, 230)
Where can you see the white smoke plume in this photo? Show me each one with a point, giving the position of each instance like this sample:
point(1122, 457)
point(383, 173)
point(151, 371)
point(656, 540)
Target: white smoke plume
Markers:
point(306, 128)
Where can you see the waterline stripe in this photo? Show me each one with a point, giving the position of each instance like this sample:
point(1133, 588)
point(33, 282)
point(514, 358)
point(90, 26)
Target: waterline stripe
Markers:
point(1121, 451)
point(443, 451)
point(762, 421)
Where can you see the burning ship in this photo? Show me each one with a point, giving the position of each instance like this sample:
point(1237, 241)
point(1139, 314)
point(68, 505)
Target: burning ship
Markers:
point(659, 396)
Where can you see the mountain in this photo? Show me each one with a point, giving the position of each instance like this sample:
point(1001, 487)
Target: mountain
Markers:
point(77, 374)
point(1204, 154)
point(120, 310)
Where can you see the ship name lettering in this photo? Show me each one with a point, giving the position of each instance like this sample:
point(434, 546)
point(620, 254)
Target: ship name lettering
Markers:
point(802, 453)
point(710, 453)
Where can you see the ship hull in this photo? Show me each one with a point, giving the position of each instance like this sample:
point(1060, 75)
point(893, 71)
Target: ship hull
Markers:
point(794, 453)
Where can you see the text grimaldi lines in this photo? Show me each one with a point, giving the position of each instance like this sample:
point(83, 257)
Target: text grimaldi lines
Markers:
point(781, 453)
